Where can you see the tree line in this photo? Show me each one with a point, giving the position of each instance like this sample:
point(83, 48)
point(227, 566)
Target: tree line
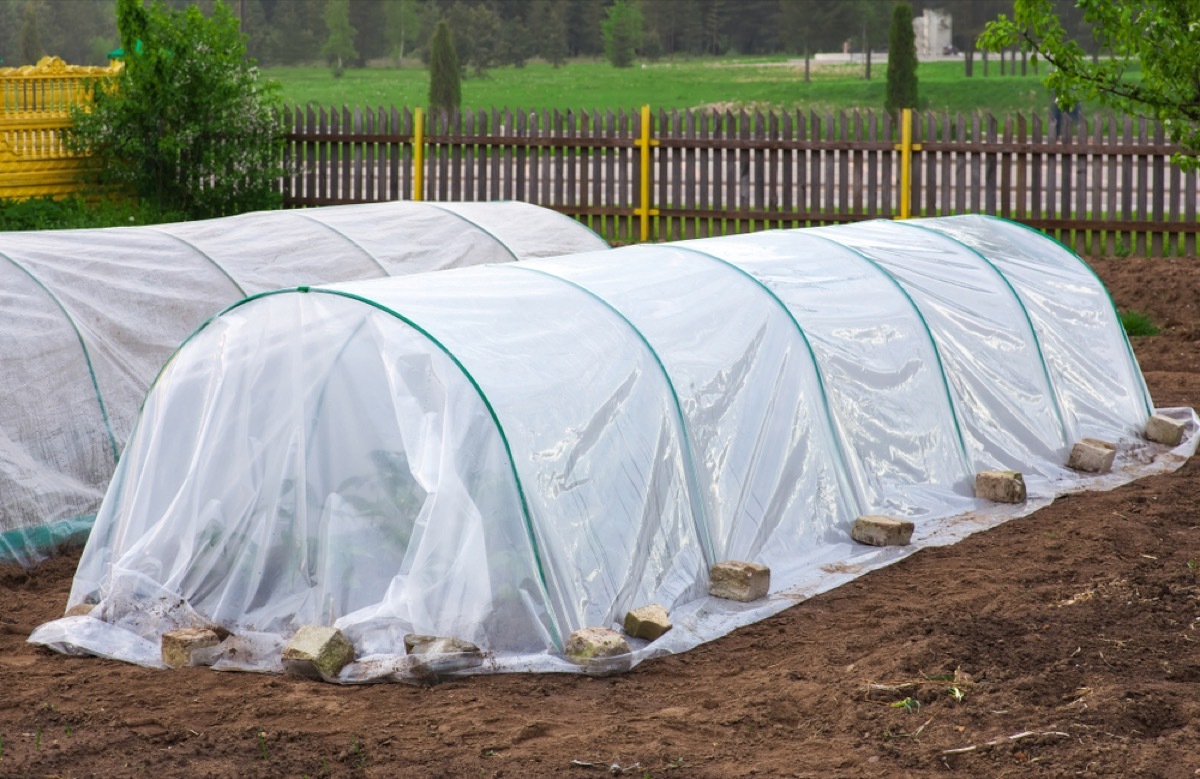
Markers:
point(490, 33)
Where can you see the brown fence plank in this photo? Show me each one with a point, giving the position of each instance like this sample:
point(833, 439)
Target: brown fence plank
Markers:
point(1143, 184)
point(929, 180)
point(1189, 211)
point(1157, 191)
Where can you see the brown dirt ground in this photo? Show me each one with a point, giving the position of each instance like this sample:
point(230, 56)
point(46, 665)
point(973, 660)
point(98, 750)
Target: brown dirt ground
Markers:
point(1077, 624)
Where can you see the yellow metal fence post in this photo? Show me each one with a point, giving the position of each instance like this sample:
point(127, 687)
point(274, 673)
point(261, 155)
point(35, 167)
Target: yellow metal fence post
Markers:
point(418, 143)
point(906, 147)
point(644, 142)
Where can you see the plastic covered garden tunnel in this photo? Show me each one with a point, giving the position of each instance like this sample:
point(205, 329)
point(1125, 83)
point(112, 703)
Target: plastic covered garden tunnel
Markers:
point(88, 317)
point(504, 455)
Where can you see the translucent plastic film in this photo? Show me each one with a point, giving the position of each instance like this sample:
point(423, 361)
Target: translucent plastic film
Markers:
point(507, 454)
point(759, 435)
point(1097, 382)
point(596, 440)
point(992, 360)
point(241, 495)
point(117, 302)
point(879, 364)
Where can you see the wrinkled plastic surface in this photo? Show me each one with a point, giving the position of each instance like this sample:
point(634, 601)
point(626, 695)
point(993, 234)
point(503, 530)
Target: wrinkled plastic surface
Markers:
point(510, 453)
point(89, 317)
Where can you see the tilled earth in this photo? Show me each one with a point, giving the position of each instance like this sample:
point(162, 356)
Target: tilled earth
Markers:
point(1061, 644)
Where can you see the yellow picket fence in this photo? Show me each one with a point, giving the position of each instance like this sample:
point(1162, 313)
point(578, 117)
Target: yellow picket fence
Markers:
point(35, 107)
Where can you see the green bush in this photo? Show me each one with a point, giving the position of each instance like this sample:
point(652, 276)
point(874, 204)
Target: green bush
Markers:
point(188, 126)
point(49, 213)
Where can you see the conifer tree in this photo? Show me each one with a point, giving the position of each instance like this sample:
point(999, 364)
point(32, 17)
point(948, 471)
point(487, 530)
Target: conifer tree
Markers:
point(445, 89)
point(622, 30)
point(339, 46)
point(902, 61)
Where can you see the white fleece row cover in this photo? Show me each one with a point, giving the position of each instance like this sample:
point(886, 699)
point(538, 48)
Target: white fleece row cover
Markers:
point(89, 317)
point(506, 454)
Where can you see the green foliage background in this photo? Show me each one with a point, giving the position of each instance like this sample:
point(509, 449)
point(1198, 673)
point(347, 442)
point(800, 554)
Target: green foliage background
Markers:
point(189, 126)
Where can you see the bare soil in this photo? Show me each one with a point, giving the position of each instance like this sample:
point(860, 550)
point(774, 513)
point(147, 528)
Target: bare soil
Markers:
point(1072, 632)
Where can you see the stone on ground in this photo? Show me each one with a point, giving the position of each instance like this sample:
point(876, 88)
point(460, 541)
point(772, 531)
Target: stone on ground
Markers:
point(648, 622)
point(323, 649)
point(1162, 429)
point(1000, 486)
point(596, 643)
point(739, 580)
point(437, 645)
point(1092, 455)
point(879, 530)
point(180, 646)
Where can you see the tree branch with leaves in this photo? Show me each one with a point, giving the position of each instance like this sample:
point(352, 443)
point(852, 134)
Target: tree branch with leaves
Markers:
point(1151, 65)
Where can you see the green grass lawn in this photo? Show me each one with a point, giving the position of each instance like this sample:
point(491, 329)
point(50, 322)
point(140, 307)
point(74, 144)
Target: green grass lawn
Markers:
point(735, 83)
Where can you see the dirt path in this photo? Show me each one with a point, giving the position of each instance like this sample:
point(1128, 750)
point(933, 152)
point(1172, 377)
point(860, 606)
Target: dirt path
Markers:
point(1073, 634)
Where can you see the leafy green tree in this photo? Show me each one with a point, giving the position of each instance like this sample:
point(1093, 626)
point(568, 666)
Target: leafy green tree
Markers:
point(403, 26)
point(188, 126)
point(445, 86)
point(31, 39)
point(478, 36)
point(339, 46)
point(902, 61)
point(622, 31)
point(1159, 37)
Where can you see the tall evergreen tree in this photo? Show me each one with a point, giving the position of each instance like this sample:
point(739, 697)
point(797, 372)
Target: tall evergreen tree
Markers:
point(445, 86)
point(584, 19)
point(31, 39)
point(339, 46)
point(552, 44)
point(902, 61)
point(622, 30)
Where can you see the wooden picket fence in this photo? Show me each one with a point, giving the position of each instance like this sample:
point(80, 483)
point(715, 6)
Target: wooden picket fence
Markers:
point(1103, 186)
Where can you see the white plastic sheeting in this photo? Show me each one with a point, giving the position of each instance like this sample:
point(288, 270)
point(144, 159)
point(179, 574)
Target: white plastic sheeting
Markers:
point(506, 454)
point(89, 317)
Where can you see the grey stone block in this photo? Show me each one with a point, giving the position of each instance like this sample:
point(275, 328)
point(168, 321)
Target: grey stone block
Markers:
point(437, 645)
point(1092, 455)
point(1000, 486)
point(1163, 430)
point(595, 644)
point(739, 580)
point(648, 622)
point(879, 530)
point(317, 648)
point(180, 647)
